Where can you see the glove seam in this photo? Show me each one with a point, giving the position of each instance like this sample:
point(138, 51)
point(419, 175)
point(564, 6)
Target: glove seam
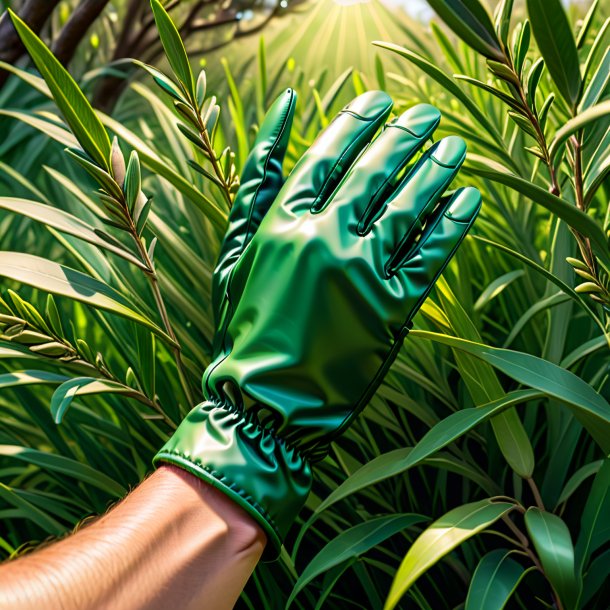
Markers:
point(265, 172)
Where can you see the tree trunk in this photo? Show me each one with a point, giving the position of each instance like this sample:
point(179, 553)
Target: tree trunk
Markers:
point(75, 29)
point(35, 13)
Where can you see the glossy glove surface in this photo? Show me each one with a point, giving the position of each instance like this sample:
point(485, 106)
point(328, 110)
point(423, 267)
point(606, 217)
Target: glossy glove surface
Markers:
point(316, 286)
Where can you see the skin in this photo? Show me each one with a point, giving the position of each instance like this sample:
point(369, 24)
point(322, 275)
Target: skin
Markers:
point(174, 542)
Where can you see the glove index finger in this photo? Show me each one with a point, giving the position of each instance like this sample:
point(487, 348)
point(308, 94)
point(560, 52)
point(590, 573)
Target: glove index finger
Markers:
point(261, 180)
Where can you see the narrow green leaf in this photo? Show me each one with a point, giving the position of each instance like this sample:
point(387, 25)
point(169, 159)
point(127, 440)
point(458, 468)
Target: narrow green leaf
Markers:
point(533, 78)
point(594, 523)
point(471, 22)
point(555, 40)
point(584, 119)
point(52, 130)
point(77, 111)
point(174, 47)
point(598, 86)
point(494, 581)
point(30, 511)
point(352, 543)
point(502, 20)
point(164, 81)
point(589, 407)
point(64, 466)
point(496, 287)
point(597, 576)
point(29, 377)
point(441, 435)
point(553, 545)
point(588, 470)
point(586, 24)
point(507, 99)
point(133, 181)
point(522, 45)
point(57, 279)
point(101, 176)
point(67, 392)
point(67, 223)
point(447, 83)
point(486, 168)
point(444, 535)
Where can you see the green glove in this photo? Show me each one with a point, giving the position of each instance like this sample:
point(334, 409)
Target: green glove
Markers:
point(318, 280)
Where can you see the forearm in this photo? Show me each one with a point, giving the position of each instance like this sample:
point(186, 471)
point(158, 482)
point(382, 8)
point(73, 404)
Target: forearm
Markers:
point(174, 542)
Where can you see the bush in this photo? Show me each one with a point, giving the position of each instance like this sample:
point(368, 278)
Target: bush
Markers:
point(495, 416)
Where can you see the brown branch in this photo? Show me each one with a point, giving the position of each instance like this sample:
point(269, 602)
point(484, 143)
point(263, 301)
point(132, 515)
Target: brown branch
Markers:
point(75, 29)
point(35, 13)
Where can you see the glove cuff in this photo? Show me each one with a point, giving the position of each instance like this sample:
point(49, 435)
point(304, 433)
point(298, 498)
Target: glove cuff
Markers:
point(247, 462)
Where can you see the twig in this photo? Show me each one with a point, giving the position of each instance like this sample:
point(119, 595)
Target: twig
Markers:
point(75, 29)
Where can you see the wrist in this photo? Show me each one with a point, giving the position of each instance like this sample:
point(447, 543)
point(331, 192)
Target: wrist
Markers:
point(248, 463)
point(230, 522)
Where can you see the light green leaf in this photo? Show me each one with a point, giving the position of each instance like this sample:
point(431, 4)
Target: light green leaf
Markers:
point(133, 181)
point(64, 466)
point(67, 392)
point(441, 435)
point(52, 130)
point(77, 111)
point(555, 40)
point(580, 121)
point(444, 535)
point(486, 168)
point(589, 407)
point(598, 85)
point(51, 277)
point(352, 543)
point(494, 581)
point(503, 13)
point(496, 287)
point(28, 377)
point(67, 223)
point(174, 47)
point(553, 545)
point(586, 24)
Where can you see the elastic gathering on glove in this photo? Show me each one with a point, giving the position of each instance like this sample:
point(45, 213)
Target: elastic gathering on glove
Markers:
point(233, 453)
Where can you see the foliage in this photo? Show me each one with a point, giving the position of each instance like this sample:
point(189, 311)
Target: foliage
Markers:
point(478, 474)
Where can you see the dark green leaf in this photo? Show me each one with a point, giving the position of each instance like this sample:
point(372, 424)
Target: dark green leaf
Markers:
point(553, 545)
point(352, 543)
point(471, 22)
point(441, 435)
point(556, 43)
point(494, 581)
point(77, 111)
point(594, 523)
point(29, 511)
point(589, 407)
